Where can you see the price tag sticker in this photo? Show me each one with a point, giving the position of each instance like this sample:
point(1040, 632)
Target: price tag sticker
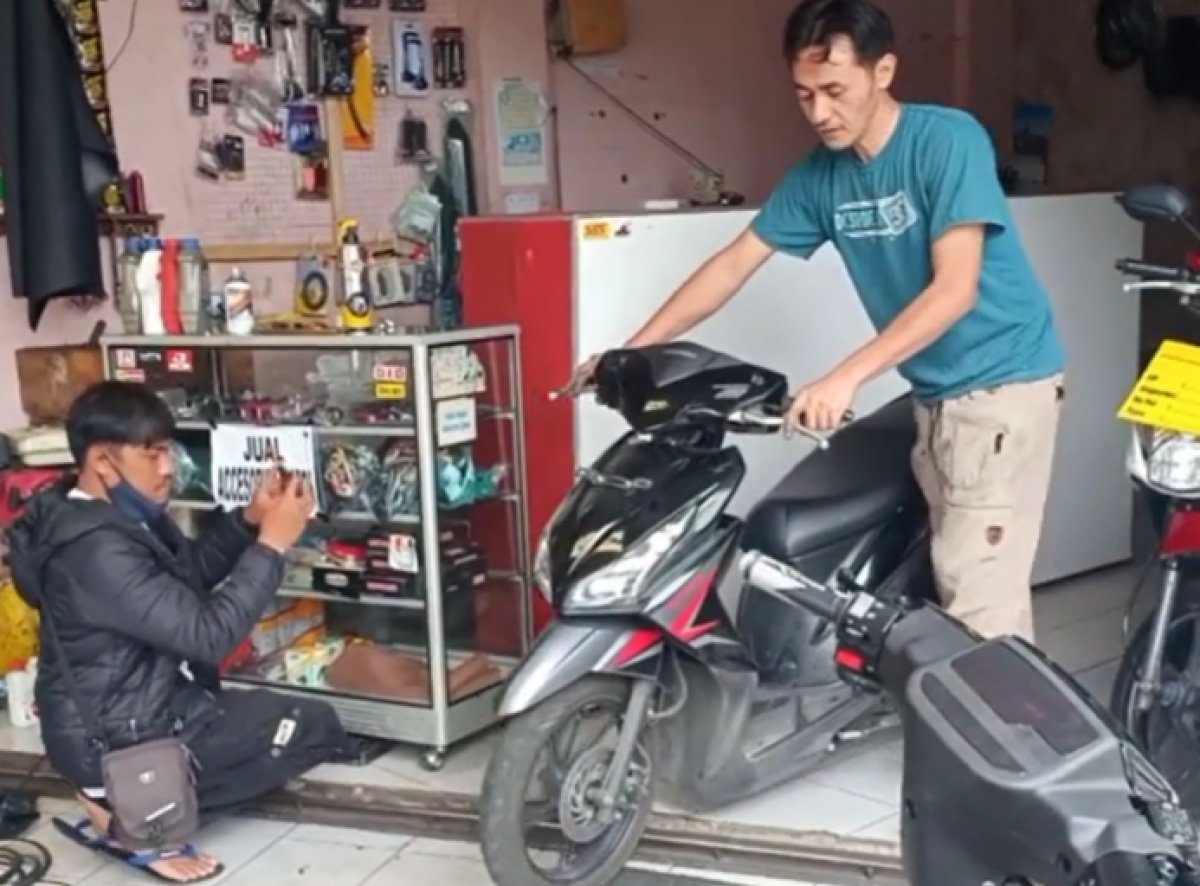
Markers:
point(1167, 395)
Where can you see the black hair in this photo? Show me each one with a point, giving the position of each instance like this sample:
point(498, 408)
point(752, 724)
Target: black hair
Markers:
point(815, 24)
point(118, 412)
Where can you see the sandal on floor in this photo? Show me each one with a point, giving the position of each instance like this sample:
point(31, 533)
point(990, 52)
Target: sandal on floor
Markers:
point(84, 834)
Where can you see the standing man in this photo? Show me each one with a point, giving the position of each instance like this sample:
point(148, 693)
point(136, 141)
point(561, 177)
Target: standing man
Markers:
point(910, 197)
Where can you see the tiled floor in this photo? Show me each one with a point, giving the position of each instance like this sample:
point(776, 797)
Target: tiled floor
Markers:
point(1079, 625)
point(257, 852)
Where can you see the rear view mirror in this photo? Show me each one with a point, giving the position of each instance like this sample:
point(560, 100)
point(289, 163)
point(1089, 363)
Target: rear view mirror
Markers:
point(1147, 203)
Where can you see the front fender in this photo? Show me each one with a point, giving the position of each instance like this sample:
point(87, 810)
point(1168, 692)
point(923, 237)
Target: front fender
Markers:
point(566, 653)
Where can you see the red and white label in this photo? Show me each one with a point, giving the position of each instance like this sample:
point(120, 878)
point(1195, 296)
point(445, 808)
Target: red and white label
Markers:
point(180, 361)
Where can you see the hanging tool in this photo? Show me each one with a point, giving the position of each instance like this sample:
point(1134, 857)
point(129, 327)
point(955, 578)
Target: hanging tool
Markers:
point(330, 54)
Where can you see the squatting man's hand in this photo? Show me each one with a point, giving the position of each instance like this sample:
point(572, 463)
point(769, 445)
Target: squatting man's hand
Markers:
point(266, 496)
point(824, 404)
point(286, 521)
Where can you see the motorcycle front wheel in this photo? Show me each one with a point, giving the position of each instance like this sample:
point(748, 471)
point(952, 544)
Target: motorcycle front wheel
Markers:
point(1169, 732)
point(540, 749)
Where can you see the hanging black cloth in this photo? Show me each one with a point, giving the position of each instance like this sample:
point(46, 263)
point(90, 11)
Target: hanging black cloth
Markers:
point(56, 159)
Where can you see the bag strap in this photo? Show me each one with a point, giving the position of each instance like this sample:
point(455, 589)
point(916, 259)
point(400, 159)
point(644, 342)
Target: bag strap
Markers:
point(91, 717)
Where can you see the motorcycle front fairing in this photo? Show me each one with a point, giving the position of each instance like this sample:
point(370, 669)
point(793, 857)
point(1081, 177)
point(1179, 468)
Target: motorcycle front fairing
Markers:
point(631, 554)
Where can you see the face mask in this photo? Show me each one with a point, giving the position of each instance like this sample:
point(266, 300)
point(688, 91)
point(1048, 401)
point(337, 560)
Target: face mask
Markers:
point(133, 504)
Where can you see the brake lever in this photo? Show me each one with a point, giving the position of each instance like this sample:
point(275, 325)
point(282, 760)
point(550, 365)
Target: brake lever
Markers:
point(569, 390)
point(1175, 285)
point(821, 439)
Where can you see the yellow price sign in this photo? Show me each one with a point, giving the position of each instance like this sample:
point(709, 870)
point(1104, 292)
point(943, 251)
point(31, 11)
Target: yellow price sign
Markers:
point(391, 390)
point(1167, 396)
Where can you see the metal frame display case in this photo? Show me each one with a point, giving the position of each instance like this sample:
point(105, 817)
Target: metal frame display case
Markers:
point(415, 568)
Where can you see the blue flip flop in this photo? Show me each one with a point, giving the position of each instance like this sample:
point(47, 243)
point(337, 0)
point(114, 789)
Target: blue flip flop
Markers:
point(84, 834)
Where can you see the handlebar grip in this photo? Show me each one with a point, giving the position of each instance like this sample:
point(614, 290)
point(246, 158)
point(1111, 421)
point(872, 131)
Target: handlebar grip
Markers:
point(1137, 268)
point(772, 576)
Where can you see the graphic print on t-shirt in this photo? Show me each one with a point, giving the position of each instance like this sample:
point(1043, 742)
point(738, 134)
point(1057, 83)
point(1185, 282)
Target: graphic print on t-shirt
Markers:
point(889, 217)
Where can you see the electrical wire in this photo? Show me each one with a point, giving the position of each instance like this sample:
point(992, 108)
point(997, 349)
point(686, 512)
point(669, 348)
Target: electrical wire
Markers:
point(129, 29)
point(639, 119)
point(24, 862)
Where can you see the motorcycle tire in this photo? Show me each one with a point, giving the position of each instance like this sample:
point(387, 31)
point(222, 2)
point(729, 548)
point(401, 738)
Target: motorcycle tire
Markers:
point(501, 806)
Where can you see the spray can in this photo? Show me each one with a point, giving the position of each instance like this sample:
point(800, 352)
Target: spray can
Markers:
point(356, 309)
point(239, 304)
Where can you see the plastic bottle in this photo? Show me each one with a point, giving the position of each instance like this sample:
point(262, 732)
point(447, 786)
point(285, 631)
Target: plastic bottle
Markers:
point(190, 270)
point(239, 304)
point(148, 288)
point(19, 684)
point(169, 285)
point(127, 294)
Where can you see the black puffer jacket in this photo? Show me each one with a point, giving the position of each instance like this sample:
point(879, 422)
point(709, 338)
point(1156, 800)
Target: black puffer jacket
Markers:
point(130, 605)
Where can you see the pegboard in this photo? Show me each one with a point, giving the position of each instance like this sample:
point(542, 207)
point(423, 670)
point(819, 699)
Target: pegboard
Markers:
point(263, 208)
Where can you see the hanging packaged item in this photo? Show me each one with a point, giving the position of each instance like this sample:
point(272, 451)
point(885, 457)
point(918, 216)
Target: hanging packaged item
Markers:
point(358, 108)
point(416, 221)
point(449, 58)
point(412, 145)
point(410, 59)
point(392, 282)
point(239, 304)
point(356, 314)
point(313, 286)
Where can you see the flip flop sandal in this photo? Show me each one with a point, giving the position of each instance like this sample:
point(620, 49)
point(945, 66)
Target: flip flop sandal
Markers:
point(84, 834)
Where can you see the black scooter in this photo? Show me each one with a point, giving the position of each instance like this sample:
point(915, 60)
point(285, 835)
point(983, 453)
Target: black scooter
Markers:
point(664, 671)
point(1013, 775)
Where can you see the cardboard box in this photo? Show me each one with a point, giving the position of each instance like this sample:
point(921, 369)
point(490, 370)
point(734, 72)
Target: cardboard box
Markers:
point(50, 378)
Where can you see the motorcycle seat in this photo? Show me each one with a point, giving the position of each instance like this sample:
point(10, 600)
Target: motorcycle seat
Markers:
point(858, 482)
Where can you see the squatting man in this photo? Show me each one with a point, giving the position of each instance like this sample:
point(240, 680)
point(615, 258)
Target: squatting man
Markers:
point(909, 195)
point(136, 618)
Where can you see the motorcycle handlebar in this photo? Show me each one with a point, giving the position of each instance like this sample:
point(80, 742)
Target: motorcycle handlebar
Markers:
point(770, 575)
point(1137, 268)
point(757, 418)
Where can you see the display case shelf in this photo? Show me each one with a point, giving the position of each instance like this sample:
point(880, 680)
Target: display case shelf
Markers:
point(406, 604)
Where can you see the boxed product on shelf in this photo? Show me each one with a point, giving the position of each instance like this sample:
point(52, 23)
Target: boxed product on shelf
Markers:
point(288, 623)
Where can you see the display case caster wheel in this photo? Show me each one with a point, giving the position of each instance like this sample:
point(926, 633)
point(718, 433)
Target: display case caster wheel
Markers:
point(433, 760)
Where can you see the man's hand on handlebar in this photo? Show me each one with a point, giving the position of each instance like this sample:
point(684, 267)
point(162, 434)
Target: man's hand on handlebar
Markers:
point(581, 379)
point(824, 404)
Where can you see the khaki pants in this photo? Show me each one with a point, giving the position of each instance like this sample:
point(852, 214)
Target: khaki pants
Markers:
point(983, 462)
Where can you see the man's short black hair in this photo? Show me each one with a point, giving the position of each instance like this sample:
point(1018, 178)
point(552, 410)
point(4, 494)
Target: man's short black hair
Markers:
point(815, 24)
point(118, 412)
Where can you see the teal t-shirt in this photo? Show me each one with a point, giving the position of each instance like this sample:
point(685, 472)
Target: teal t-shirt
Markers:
point(937, 170)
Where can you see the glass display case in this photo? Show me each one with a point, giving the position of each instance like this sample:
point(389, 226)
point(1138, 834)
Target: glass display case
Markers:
point(406, 602)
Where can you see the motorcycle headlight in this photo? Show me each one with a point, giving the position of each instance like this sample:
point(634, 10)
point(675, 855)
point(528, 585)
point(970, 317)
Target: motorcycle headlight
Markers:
point(541, 567)
point(620, 583)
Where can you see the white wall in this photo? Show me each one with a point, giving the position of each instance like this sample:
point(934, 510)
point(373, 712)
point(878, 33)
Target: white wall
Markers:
point(801, 318)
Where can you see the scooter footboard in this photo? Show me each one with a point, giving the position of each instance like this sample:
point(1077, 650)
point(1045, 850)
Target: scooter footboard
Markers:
point(568, 651)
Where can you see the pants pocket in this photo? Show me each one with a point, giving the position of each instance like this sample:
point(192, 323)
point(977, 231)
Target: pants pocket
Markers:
point(974, 455)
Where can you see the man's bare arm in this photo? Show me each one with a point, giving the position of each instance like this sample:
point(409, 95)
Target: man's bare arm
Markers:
point(957, 260)
point(706, 291)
